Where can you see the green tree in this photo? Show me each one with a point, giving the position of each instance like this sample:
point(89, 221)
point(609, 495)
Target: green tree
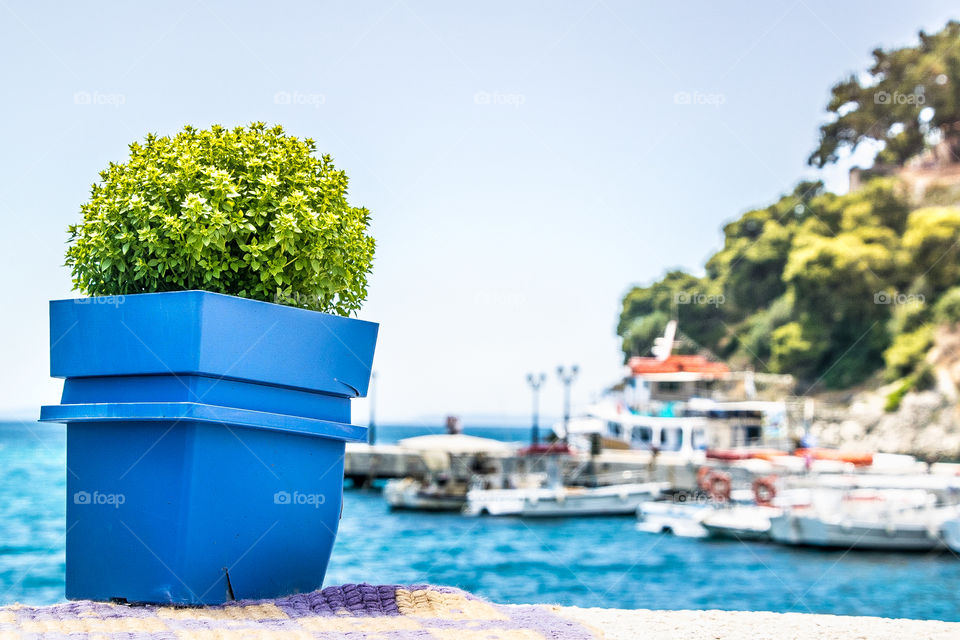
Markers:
point(931, 246)
point(698, 304)
point(908, 99)
point(754, 335)
point(947, 309)
point(839, 285)
point(831, 288)
point(907, 351)
point(798, 348)
point(638, 334)
point(750, 265)
point(836, 276)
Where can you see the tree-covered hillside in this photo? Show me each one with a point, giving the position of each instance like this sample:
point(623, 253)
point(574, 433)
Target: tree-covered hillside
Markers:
point(834, 288)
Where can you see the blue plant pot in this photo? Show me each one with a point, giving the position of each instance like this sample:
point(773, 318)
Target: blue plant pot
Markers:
point(205, 443)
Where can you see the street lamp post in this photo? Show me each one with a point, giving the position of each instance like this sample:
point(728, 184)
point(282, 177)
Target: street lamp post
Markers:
point(567, 376)
point(535, 383)
point(372, 428)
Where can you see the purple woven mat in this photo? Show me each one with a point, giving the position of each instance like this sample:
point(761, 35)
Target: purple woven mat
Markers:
point(354, 611)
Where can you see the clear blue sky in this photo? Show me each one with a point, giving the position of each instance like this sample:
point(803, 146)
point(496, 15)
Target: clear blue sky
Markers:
point(524, 162)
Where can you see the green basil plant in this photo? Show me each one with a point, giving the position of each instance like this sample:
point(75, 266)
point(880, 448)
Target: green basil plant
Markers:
point(249, 212)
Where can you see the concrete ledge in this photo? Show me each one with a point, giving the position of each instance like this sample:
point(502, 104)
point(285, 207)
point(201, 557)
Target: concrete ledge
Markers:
point(620, 624)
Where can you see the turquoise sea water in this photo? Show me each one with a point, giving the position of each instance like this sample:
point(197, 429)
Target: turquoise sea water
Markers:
point(584, 562)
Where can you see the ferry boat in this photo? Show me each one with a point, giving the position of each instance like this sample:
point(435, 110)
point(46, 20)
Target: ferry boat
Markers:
point(682, 405)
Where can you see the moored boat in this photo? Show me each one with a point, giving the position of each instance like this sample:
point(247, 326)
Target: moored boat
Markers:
point(950, 534)
point(678, 518)
point(889, 521)
point(740, 522)
point(809, 530)
point(414, 495)
point(561, 501)
point(750, 520)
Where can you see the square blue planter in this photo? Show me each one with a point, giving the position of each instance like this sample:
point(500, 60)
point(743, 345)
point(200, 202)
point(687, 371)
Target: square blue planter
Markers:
point(205, 443)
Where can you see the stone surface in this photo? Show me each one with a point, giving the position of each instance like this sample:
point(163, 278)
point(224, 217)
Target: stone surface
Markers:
point(927, 423)
point(618, 624)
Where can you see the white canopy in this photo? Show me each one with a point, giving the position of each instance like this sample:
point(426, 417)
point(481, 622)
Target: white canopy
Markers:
point(456, 444)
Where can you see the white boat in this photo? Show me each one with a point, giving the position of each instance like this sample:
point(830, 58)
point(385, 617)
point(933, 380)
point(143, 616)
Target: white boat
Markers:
point(620, 499)
point(891, 535)
point(679, 405)
point(412, 494)
point(950, 533)
point(744, 520)
point(890, 520)
point(740, 522)
point(678, 518)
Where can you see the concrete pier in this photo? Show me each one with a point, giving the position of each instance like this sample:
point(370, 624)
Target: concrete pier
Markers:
point(365, 463)
point(620, 624)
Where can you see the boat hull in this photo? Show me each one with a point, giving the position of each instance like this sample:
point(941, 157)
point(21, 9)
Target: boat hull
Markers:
point(561, 502)
point(810, 531)
point(950, 532)
point(404, 495)
point(670, 517)
point(748, 522)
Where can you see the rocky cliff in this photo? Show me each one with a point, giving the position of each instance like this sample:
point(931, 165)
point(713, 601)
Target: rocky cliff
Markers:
point(926, 424)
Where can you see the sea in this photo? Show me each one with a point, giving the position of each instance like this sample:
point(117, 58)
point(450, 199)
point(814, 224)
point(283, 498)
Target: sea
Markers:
point(586, 562)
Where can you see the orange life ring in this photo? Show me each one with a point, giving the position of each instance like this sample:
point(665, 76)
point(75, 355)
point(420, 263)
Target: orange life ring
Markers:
point(719, 486)
point(765, 490)
point(702, 474)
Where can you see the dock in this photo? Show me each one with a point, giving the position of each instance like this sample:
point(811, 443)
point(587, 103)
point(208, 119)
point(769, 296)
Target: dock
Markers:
point(366, 463)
